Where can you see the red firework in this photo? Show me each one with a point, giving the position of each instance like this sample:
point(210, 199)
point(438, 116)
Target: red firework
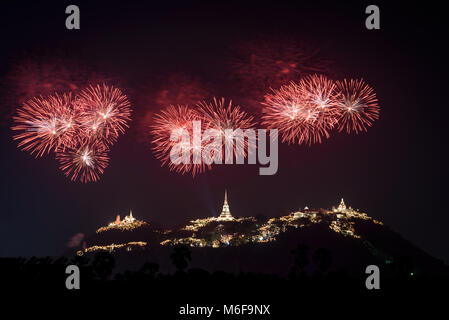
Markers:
point(176, 120)
point(320, 93)
point(303, 112)
point(84, 162)
point(78, 130)
point(105, 113)
point(45, 124)
point(358, 105)
point(230, 122)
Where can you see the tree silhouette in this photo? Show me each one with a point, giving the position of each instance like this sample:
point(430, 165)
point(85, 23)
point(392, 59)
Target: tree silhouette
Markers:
point(323, 259)
point(181, 257)
point(301, 256)
point(149, 270)
point(301, 260)
point(102, 265)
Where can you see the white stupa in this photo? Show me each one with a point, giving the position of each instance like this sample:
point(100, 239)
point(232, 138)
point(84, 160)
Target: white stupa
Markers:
point(225, 212)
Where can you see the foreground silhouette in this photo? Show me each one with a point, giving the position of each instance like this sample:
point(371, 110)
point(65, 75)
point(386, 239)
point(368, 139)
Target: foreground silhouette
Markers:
point(310, 270)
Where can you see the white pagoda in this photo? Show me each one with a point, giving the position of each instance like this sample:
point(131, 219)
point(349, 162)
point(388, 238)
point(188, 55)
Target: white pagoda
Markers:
point(341, 206)
point(225, 213)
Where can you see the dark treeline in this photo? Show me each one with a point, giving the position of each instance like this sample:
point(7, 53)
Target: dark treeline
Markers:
point(310, 270)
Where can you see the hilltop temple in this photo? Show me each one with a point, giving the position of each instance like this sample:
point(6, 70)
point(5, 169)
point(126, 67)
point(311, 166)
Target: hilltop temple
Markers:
point(341, 207)
point(343, 210)
point(128, 219)
point(341, 219)
point(225, 216)
point(128, 223)
point(225, 212)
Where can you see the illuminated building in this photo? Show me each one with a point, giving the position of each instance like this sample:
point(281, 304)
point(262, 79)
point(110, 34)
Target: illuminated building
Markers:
point(225, 230)
point(225, 216)
point(344, 212)
point(127, 224)
point(341, 219)
point(298, 214)
point(130, 218)
point(225, 212)
point(341, 206)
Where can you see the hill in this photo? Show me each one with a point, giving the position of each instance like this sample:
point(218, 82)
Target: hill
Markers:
point(350, 241)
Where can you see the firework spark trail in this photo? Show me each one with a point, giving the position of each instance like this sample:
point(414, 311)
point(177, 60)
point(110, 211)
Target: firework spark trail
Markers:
point(45, 124)
point(358, 105)
point(295, 114)
point(105, 112)
point(84, 162)
point(320, 94)
point(177, 120)
point(227, 118)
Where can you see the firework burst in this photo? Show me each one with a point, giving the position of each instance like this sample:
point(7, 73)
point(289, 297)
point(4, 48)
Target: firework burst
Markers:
point(358, 106)
point(291, 111)
point(231, 122)
point(78, 129)
point(105, 112)
point(176, 120)
point(45, 124)
point(320, 94)
point(85, 162)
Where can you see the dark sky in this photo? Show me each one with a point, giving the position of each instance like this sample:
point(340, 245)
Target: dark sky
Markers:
point(395, 172)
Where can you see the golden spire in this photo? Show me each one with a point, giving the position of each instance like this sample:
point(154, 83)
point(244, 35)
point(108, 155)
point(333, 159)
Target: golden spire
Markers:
point(225, 212)
point(342, 206)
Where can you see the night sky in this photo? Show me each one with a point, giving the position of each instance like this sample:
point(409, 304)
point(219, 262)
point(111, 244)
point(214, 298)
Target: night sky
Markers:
point(394, 172)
